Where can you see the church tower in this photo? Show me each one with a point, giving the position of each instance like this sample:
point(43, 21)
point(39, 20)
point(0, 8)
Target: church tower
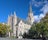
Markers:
point(30, 17)
point(15, 18)
point(14, 23)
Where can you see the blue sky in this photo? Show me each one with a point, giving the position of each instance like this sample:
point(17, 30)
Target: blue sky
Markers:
point(21, 7)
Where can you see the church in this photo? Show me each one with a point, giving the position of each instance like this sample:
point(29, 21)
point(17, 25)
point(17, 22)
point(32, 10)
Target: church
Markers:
point(19, 26)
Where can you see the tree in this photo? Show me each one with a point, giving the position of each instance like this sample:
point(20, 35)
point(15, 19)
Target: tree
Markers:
point(45, 22)
point(4, 29)
point(32, 33)
point(39, 30)
point(42, 27)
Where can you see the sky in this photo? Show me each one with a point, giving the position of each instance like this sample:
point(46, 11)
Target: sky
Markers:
point(21, 7)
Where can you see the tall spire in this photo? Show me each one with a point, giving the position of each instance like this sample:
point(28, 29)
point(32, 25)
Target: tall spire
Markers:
point(30, 7)
point(15, 14)
point(8, 16)
point(30, 17)
point(11, 14)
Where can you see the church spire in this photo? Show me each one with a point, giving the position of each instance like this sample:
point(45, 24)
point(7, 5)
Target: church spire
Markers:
point(30, 7)
point(15, 14)
point(30, 17)
point(8, 16)
point(11, 14)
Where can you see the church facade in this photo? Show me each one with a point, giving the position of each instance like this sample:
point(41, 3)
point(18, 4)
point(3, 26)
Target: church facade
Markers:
point(19, 26)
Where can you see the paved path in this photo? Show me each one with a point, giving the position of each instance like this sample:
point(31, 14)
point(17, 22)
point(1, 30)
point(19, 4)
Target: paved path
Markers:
point(16, 39)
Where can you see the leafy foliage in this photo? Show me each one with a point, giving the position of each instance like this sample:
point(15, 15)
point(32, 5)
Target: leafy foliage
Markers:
point(39, 30)
point(4, 29)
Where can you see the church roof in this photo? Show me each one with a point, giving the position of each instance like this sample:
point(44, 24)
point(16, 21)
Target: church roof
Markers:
point(24, 21)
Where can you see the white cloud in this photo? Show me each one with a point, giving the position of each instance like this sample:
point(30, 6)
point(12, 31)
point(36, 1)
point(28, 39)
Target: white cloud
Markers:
point(38, 4)
point(45, 1)
point(41, 16)
point(44, 9)
point(38, 17)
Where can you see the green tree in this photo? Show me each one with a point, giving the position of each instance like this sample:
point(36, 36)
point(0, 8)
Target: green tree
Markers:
point(42, 26)
point(39, 30)
point(45, 23)
point(32, 33)
point(4, 29)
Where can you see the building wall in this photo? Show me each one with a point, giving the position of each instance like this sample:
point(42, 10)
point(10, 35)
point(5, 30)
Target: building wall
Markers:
point(22, 28)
